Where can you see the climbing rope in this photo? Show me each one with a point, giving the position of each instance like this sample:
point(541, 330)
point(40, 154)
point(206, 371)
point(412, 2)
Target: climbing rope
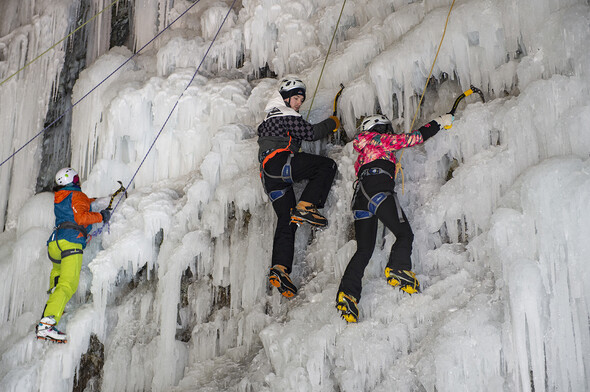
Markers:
point(325, 60)
point(100, 229)
point(58, 42)
point(398, 164)
point(95, 87)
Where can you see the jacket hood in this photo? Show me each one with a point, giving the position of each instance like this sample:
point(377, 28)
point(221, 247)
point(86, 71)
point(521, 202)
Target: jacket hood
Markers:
point(64, 192)
point(277, 103)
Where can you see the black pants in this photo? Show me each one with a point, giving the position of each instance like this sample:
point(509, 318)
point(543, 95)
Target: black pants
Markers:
point(366, 234)
point(320, 172)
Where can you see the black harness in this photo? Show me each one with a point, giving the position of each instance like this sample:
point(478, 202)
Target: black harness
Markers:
point(373, 201)
point(286, 176)
point(68, 252)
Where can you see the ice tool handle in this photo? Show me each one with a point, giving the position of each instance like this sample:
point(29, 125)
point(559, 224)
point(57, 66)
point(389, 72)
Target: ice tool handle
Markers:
point(335, 112)
point(121, 189)
point(467, 93)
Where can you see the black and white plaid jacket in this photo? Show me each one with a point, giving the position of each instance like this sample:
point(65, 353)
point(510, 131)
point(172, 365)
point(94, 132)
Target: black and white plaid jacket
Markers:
point(283, 127)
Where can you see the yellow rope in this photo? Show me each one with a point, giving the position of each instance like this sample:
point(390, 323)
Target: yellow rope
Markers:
point(398, 164)
point(325, 60)
point(57, 43)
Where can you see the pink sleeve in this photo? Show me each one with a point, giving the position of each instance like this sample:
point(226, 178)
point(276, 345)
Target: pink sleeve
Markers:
point(359, 143)
point(396, 142)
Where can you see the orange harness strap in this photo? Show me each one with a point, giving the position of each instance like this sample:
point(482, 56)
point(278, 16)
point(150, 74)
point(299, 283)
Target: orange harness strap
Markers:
point(275, 152)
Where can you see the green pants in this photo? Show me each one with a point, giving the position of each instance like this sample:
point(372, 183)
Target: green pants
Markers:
point(64, 276)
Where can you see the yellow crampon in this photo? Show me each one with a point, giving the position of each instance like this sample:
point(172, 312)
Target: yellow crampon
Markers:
point(403, 279)
point(346, 304)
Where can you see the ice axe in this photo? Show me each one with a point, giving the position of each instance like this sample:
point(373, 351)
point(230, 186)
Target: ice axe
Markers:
point(472, 89)
point(109, 207)
point(335, 112)
point(121, 189)
point(336, 99)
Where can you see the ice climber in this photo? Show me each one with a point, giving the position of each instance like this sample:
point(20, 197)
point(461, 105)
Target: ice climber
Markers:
point(375, 199)
point(282, 164)
point(73, 220)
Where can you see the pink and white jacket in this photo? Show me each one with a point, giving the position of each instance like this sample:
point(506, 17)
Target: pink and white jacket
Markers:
point(373, 145)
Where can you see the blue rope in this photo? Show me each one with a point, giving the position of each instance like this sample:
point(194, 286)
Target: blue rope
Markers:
point(100, 229)
point(95, 87)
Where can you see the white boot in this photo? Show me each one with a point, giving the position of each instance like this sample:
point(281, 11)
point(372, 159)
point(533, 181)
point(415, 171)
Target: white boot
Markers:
point(46, 331)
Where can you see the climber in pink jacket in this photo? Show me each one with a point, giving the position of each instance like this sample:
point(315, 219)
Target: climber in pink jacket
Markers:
point(375, 199)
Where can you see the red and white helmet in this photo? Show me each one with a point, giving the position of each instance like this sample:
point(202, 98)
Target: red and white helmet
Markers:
point(66, 176)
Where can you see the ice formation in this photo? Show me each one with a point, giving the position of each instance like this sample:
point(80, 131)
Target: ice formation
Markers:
point(176, 289)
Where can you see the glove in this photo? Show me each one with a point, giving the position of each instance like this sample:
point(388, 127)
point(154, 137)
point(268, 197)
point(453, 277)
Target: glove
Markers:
point(337, 121)
point(445, 121)
point(106, 216)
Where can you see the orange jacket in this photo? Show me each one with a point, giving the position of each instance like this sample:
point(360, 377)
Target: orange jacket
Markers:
point(73, 206)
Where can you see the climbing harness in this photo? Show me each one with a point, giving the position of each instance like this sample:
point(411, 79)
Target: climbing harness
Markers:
point(73, 226)
point(277, 194)
point(67, 252)
point(286, 172)
point(64, 253)
point(373, 171)
point(286, 176)
point(373, 201)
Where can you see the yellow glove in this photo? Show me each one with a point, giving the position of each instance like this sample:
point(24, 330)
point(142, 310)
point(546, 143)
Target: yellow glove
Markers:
point(337, 121)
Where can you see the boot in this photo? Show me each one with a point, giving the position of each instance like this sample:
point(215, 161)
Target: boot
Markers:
point(46, 331)
point(405, 280)
point(346, 304)
point(279, 278)
point(307, 212)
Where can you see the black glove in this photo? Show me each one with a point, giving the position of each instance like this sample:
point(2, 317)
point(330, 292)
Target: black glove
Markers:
point(106, 215)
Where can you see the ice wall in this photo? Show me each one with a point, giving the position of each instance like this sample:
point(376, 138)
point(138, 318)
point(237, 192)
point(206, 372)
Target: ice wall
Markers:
point(176, 289)
point(32, 29)
point(99, 31)
point(538, 241)
point(208, 219)
point(24, 98)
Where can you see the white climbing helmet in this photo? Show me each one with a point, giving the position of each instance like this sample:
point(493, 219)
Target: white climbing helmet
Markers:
point(290, 87)
point(66, 176)
point(376, 119)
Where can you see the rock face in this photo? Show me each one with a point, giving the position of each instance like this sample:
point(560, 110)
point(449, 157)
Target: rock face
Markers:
point(56, 139)
point(89, 376)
